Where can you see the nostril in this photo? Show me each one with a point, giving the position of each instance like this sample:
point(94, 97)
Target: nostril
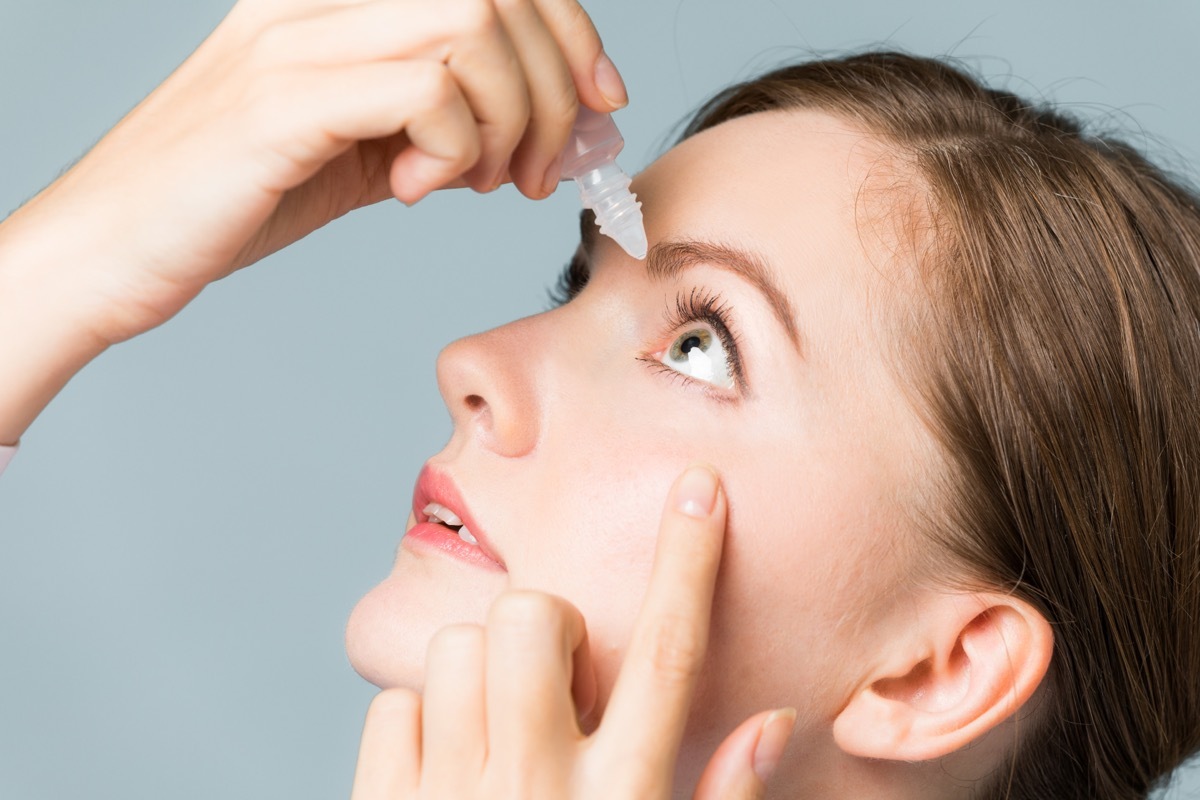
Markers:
point(487, 382)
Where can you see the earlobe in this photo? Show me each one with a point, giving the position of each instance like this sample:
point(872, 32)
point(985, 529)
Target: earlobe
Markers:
point(971, 661)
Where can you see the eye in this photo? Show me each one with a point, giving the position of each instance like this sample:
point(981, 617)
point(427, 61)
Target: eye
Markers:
point(699, 353)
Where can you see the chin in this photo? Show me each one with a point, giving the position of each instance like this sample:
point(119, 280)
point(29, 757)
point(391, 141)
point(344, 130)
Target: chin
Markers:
point(390, 628)
point(381, 648)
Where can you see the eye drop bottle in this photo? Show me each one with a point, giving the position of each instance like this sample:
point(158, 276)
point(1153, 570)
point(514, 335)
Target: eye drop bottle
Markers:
point(590, 159)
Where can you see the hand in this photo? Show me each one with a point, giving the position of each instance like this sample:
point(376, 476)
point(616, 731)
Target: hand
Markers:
point(503, 704)
point(290, 114)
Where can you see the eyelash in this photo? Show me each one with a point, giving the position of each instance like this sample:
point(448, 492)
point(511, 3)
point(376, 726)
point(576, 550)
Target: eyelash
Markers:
point(699, 305)
point(703, 305)
point(570, 282)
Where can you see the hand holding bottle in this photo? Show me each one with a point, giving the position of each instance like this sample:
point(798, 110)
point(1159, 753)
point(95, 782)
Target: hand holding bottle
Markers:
point(290, 114)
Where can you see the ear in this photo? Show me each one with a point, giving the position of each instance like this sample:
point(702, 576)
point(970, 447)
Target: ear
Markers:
point(966, 663)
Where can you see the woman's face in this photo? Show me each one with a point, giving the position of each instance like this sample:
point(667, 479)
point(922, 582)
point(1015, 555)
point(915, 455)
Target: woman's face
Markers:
point(747, 340)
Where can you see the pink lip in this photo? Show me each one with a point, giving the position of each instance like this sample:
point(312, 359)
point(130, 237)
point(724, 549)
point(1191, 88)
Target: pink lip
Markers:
point(437, 487)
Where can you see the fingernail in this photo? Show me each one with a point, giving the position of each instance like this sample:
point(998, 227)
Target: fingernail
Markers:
point(696, 492)
point(776, 730)
point(609, 82)
point(553, 175)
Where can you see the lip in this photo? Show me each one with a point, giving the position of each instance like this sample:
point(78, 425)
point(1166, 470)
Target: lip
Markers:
point(434, 486)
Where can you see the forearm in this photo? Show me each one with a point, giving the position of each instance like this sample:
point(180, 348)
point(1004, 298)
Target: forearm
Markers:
point(43, 340)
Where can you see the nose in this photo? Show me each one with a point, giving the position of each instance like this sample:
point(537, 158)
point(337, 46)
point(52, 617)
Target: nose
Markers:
point(488, 382)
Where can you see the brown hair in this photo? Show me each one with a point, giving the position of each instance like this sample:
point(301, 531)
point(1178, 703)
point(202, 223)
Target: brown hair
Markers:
point(1058, 373)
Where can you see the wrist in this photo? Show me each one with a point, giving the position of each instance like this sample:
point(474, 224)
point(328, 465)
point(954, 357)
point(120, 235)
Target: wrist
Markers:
point(44, 336)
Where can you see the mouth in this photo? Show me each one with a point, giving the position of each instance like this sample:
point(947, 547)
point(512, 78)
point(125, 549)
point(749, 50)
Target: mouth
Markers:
point(440, 515)
point(444, 520)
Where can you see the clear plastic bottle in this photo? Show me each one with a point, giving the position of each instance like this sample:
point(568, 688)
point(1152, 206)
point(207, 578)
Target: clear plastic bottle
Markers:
point(590, 159)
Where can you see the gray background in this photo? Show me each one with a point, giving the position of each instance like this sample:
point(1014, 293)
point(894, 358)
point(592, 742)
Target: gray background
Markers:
point(189, 524)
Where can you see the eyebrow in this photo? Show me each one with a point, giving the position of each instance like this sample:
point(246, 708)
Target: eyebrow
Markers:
point(667, 259)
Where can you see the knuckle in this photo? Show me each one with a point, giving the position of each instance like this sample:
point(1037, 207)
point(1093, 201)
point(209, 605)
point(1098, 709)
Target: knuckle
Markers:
point(676, 651)
point(433, 84)
point(470, 151)
point(475, 17)
point(563, 105)
point(522, 107)
point(510, 130)
point(462, 156)
point(577, 21)
point(512, 5)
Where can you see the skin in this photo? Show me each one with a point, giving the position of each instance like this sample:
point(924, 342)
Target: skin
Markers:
point(566, 463)
point(291, 114)
point(569, 432)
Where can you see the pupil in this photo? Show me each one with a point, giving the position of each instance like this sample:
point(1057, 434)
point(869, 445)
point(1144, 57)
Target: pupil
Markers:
point(689, 343)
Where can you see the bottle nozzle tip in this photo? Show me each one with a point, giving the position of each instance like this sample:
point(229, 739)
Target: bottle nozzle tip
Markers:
point(632, 241)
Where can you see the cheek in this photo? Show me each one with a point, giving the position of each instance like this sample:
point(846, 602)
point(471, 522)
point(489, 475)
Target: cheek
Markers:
point(811, 560)
point(600, 557)
point(609, 461)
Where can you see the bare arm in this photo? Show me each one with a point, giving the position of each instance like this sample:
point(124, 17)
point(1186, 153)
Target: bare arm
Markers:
point(288, 116)
point(43, 339)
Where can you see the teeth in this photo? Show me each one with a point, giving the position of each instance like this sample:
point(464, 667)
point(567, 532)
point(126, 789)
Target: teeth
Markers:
point(437, 511)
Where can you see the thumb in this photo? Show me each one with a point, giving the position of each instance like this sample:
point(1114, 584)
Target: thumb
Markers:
point(740, 768)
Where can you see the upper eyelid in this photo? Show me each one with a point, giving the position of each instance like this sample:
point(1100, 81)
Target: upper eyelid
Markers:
point(577, 272)
point(687, 309)
point(669, 258)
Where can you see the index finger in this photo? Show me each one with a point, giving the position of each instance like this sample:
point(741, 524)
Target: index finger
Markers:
point(597, 81)
point(652, 696)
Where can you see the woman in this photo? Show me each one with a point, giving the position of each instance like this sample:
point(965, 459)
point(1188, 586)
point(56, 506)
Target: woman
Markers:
point(937, 346)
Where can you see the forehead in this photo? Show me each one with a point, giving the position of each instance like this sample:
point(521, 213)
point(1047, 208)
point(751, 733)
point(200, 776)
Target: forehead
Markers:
point(797, 187)
point(790, 183)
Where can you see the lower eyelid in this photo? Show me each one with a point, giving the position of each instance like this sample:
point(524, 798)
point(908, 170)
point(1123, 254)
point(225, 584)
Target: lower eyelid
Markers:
point(711, 391)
